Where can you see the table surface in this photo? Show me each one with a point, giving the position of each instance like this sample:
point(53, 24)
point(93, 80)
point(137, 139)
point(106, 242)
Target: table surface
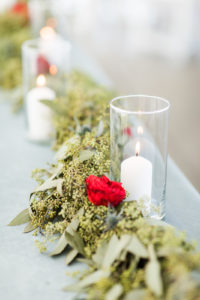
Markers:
point(25, 273)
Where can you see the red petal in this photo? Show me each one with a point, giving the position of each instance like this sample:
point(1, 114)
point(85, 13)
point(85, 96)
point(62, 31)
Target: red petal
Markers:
point(42, 65)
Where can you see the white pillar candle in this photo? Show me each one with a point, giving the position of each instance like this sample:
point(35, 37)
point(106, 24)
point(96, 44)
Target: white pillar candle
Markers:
point(136, 176)
point(39, 115)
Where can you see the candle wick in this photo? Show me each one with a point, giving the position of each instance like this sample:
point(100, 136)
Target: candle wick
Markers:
point(137, 153)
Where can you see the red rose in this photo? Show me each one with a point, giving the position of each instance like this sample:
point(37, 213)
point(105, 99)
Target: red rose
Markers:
point(20, 9)
point(42, 65)
point(127, 131)
point(102, 191)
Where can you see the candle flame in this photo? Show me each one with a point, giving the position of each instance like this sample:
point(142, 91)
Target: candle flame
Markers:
point(140, 130)
point(137, 148)
point(47, 33)
point(53, 70)
point(41, 80)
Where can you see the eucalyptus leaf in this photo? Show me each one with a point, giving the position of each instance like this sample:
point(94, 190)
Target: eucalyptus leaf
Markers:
point(75, 222)
point(152, 253)
point(48, 184)
point(56, 170)
point(61, 245)
point(71, 255)
point(137, 248)
point(85, 155)
point(153, 277)
point(75, 241)
point(22, 218)
point(114, 249)
point(114, 293)
point(137, 294)
point(63, 242)
point(86, 261)
point(100, 129)
point(29, 227)
point(62, 152)
point(98, 257)
point(93, 278)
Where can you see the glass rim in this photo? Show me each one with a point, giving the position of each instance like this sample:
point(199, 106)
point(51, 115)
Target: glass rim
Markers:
point(31, 44)
point(140, 112)
point(34, 44)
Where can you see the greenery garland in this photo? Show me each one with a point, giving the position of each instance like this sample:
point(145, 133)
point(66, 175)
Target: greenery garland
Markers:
point(129, 256)
point(14, 30)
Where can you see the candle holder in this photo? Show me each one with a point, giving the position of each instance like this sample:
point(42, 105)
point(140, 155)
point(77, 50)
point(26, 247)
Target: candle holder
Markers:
point(40, 14)
point(46, 62)
point(139, 135)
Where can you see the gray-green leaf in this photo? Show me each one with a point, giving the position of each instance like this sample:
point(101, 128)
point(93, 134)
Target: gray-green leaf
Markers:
point(137, 248)
point(87, 281)
point(93, 278)
point(75, 241)
point(153, 274)
point(61, 245)
point(100, 129)
point(63, 242)
point(114, 249)
point(49, 184)
point(71, 255)
point(62, 152)
point(22, 218)
point(29, 227)
point(137, 294)
point(114, 293)
point(85, 155)
point(98, 257)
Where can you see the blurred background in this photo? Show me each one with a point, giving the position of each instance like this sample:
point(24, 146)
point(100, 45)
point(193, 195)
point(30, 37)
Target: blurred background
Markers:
point(145, 47)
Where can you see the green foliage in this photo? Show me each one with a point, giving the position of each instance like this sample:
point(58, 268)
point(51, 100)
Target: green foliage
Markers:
point(14, 30)
point(129, 256)
point(82, 109)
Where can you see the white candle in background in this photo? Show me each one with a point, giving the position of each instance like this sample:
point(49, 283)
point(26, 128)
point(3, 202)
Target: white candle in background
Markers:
point(136, 176)
point(38, 114)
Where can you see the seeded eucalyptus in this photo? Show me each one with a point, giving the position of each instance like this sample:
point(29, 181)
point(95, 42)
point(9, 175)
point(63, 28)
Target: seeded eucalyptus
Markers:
point(14, 30)
point(128, 255)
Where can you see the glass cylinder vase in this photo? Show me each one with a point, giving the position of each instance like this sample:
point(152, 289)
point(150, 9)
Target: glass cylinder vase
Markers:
point(46, 63)
point(139, 138)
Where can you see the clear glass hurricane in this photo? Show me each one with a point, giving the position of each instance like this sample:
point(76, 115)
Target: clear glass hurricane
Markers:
point(139, 143)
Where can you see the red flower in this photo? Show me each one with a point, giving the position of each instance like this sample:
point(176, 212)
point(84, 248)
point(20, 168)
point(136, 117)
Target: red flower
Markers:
point(42, 65)
point(127, 131)
point(20, 9)
point(102, 191)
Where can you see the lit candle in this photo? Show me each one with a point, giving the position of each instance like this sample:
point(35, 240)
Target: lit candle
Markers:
point(38, 114)
point(136, 176)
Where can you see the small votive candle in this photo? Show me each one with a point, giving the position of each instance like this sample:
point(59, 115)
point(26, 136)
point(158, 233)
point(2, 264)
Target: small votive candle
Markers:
point(38, 114)
point(46, 64)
